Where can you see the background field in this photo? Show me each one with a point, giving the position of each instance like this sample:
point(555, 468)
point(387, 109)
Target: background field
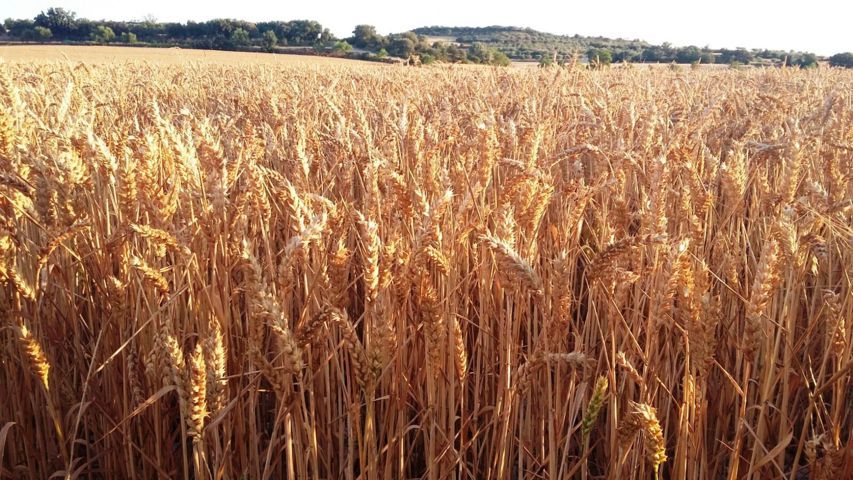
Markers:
point(159, 56)
point(180, 56)
point(266, 271)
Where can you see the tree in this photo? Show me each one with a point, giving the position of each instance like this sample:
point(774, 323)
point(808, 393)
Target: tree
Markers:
point(341, 47)
point(626, 55)
point(58, 20)
point(500, 59)
point(806, 60)
point(599, 57)
point(270, 40)
point(480, 53)
point(102, 34)
point(42, 33)
point(741, 56)
point(280, 29)
point(688, 55)
point(401, 47)
point(842, 60)
point(128, 37)
point(456, 54)
point(655, 54)
point(304, 32)
point(222, 26)
point(18, 28)
point(365, 36)
point(707, 57)
point(240, 37)
point(668, 51)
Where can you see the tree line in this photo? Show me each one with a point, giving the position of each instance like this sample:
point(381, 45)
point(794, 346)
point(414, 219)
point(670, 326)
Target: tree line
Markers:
point(531, 45)
point(58, 24)
point(694, 55)
point(63, 25)
point(483, 45)
point(410, 44)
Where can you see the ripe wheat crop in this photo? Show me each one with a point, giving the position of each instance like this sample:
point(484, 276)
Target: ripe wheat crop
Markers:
point(220, 272)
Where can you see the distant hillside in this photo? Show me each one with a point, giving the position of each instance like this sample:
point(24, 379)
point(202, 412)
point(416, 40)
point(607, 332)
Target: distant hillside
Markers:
point(495, 45)
point(521, 44)
point(528, 44)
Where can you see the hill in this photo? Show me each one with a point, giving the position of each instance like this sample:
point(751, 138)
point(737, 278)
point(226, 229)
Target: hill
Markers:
point(521, 44)
point(494, 45)
point(529, 44)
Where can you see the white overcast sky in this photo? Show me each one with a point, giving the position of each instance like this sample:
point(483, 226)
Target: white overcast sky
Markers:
point(820, 26)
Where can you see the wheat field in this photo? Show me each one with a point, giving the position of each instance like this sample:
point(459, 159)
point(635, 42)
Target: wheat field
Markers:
point(174, 56)
point(264, 271)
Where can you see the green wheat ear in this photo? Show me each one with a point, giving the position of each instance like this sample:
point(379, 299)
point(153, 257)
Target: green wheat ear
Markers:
point(595, 403)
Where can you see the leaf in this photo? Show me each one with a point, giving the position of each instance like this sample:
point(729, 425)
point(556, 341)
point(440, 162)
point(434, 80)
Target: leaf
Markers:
point(147, 403)
point(777, 450)
point(3, 433)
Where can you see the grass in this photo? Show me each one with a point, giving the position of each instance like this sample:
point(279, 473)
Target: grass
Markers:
point(265, 271)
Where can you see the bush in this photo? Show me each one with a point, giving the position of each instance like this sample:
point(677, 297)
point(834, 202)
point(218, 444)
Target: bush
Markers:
point(102, 34)
point(688, 55)
point(128, 37)
point(240, 37)
point(808, 60)
point(805, 60)
point(546, 61)
point(341, 47)
point(500, 59)
point(42, 33)
point(402, 47)
point(482, 53)
point(842, 60)
point(599, 57)
point(270, 40)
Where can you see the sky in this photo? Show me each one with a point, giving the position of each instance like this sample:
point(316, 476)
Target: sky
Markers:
point(819, 26)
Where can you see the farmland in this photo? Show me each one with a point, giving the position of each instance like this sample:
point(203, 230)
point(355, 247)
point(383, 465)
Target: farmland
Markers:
point(267, 269)
point(156, 56)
